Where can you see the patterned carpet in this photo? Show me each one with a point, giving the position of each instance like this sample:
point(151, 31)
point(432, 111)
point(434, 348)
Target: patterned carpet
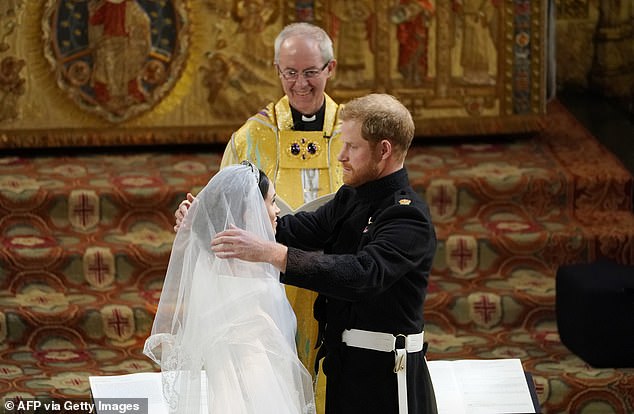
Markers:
point(85, 239)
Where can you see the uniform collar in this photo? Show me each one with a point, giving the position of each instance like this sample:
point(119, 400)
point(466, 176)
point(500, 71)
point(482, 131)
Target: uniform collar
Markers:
point(384, 186)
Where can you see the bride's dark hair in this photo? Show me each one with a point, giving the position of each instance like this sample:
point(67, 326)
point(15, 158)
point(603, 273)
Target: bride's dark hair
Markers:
point(263, 184)
point(263, 181)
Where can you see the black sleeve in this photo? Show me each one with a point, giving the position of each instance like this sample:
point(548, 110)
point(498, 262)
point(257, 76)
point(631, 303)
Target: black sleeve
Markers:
point(402, 240)
point(310, 230)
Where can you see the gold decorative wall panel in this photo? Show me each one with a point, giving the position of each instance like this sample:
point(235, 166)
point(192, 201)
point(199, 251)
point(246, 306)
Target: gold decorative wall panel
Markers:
point(191, 71)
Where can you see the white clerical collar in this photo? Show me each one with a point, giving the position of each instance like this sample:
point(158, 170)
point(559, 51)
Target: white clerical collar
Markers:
point(309, 118)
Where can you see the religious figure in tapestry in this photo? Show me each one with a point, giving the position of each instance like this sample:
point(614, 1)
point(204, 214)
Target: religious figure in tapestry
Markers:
point(353, 29)
point(237, 71)
point(253, 17)
point(119, 38)
point(413, 20)
point(116, 58)
point(478, 23)
point(233, 89)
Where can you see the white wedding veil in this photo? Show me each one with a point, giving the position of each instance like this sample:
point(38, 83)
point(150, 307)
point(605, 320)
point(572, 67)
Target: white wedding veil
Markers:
point(224, 331)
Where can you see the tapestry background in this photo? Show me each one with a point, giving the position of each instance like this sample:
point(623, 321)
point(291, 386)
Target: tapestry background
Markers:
point(194, 70)
point(206, 65)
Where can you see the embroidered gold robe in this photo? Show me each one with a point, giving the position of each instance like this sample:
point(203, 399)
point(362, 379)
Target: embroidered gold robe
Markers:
point(268, 140)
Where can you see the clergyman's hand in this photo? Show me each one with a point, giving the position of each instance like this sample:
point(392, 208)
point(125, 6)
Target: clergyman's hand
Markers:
point(235, 243)
point(181, 211)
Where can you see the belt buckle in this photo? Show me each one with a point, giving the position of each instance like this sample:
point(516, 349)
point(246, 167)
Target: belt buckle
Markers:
point(399, 357)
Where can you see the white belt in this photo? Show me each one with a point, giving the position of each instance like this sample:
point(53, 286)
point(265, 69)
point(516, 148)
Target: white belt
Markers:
point(379, 341)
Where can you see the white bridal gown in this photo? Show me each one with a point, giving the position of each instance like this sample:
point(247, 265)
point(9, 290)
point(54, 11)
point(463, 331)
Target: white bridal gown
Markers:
point(224, 330)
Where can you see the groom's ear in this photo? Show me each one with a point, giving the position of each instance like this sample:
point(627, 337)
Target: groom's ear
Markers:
point(386, 149)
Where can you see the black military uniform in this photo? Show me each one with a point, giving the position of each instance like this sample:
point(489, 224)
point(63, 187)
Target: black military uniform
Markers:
point(378, 244)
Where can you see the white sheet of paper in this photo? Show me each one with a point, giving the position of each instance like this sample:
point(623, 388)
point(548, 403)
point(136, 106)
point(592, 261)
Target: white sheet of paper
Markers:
point(140, 385)
point(480, 386)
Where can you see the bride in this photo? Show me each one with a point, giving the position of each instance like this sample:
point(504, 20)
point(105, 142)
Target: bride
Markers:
point(224, 332)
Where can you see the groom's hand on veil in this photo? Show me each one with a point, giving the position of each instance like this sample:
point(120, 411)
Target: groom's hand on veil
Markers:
point(181, 211)
point(235, 243)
